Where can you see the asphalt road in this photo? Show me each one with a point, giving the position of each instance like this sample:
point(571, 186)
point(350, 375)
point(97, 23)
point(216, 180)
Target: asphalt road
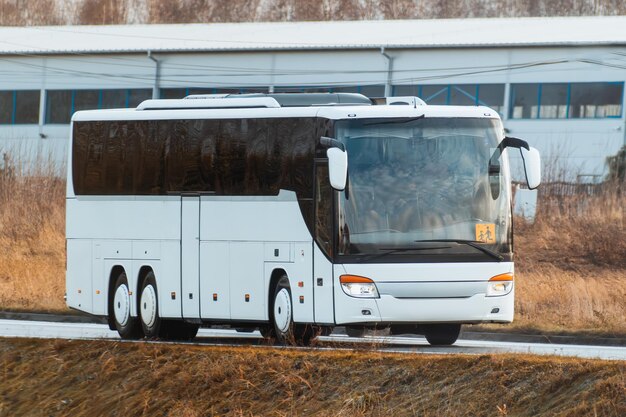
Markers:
point(406, 344)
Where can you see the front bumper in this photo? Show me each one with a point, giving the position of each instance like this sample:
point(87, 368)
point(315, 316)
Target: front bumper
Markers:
point(426, 294)
point(387, 309)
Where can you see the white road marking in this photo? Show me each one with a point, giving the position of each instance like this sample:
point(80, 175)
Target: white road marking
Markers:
point(413, 344)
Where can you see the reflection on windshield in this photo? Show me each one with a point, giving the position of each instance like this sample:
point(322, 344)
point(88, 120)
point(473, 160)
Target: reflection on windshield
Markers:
point(427, 179)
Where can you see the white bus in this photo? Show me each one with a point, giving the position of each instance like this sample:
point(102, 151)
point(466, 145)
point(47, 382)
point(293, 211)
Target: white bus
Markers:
point(292, 214)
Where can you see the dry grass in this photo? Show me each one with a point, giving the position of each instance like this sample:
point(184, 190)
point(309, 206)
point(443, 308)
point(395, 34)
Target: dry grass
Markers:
point(78, 378)
point(32, 239)
point(570, 264)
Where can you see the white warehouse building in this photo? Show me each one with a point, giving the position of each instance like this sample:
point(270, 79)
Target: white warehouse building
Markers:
point(556, 82)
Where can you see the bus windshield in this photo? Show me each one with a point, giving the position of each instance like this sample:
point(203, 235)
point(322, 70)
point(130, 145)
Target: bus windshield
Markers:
point(423, 189)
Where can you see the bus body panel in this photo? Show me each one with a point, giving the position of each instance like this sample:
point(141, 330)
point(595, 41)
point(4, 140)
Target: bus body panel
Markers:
point(252, 219)
point(123, 217)
point(303, 311)
point(168, 280)
point(215, 280)
point(247, 299)
point(79, 275)
point(190, 256)
point(323, 284)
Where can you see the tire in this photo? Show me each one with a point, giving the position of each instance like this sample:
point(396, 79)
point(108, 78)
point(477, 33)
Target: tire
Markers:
point(399, 329)
point(353, 331)
point(443, 334)
point(149, 308)
point(127, 326)
point(282, 313)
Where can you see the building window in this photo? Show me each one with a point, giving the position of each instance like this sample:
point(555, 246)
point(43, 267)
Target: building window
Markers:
point(490, 95)
point(6, 107)
point(553, 101)
point(463, 95)
point(58, 106)
point(173, 93)
point(19, 107)
point(86, 100)
point(435, 94)
point(372, 90)
point(524, 101)
point(308, 89)
point(566, 100)
point(61, 104)
point(135, 97)
point(591, 100)
point(113, 99)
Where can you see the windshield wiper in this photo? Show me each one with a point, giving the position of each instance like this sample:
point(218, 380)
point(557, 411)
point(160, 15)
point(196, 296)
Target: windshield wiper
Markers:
point(391, 251)
point(472, 243)
point(385, 122)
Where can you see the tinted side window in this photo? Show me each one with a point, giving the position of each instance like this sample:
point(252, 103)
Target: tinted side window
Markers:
point(225, 157)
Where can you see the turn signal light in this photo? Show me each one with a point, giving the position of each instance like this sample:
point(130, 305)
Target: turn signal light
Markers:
point(357, 286)
point(500, 285)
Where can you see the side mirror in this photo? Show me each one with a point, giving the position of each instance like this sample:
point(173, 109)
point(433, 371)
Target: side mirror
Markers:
point(337, 168)
point(530, 156)
point(532, 166)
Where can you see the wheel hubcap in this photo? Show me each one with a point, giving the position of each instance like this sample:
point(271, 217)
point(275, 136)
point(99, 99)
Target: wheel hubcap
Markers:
point(148, 306)
point(121, 305)
point(282, 310)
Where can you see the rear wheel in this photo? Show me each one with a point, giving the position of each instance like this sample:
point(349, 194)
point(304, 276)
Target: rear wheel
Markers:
point(149, 307)
point(127, 326)
point(443, 334)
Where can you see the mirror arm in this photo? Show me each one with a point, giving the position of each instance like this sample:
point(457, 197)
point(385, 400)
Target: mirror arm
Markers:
point(507, 142)
point(332, 143)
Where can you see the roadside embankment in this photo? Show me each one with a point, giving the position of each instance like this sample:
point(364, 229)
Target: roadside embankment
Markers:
point(87, 378)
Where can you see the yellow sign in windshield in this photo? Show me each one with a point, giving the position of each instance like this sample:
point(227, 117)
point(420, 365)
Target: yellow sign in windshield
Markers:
point(486, 233)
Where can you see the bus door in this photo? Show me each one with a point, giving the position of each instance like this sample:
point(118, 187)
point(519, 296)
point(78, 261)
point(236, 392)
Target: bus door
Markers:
point(322, 246)
point(190, 256)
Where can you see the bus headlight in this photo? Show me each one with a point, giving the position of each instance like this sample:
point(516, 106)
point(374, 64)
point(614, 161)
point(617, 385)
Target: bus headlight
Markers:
point(356, 286)
point(500, 285)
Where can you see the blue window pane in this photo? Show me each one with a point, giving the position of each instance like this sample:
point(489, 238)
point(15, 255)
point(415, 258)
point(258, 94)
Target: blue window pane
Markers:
point(86, 99)
point(6, 107)
point(524, 101)
point(373, 90)
point(350, 89)
point(135, 97)
point(203, 90)
point(596, 100)
point(553, 101)
point(58, 106)
point(406, 90)
point(113, 99)
point(463, 95)
point(492, 95)
point(173, 93)
point(27, 107)
point(435, 94)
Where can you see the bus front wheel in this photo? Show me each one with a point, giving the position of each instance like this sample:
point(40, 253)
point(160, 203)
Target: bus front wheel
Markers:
point(282, 313)
point(127, 326)
point(149, 307)
point(443, 334)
